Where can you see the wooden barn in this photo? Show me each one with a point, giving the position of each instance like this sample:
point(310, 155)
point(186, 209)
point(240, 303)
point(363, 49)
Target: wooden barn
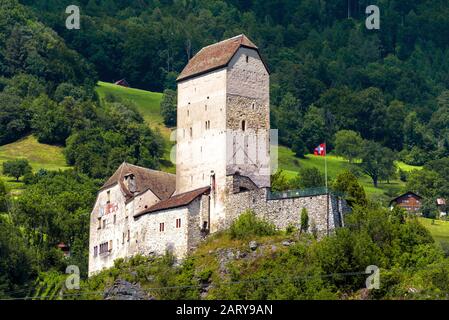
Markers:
point(410, 201)
point(122, 83)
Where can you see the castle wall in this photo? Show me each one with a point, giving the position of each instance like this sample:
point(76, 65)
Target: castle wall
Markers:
point(201, 100)
point(149, 238)
point(202, 107)
point(248, 117)
point(285, 212)
point(143, 201)
point(143, 235)
point(114, 221)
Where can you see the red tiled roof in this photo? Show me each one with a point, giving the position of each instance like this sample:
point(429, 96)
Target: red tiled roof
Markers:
point(175, 201)
point(215, 56)
point(162, 184)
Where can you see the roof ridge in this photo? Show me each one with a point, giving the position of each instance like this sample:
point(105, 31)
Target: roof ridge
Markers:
point(149, 169)
point(193, 190)
point(224, 40)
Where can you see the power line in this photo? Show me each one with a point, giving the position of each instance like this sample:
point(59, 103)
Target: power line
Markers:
point(297, 277)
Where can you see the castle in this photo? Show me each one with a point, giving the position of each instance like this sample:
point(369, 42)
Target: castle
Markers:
point(223, 167)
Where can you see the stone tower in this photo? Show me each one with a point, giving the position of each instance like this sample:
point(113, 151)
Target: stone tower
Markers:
point(223, 121)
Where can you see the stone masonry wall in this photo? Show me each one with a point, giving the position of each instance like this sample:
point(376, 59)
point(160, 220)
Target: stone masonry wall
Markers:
point(285, 212)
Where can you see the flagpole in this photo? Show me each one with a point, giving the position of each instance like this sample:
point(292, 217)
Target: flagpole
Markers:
point(325, 163)
point(327, 190)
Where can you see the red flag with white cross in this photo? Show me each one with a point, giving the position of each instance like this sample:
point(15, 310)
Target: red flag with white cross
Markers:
point(320, 150)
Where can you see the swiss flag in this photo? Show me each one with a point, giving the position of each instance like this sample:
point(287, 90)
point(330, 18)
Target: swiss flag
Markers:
point(320, 150)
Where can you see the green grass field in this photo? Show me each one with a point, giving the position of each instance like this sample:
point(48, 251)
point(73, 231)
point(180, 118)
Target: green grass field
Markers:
point(439, 230)
point(40, 156)
point(149, 105)
point(291, 165)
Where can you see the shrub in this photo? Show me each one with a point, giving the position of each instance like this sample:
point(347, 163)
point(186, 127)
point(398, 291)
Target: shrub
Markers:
point(248, 225)
point(402, 175)
point(304, 220)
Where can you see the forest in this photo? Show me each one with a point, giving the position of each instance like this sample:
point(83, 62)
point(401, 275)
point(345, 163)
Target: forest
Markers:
point(365, 92)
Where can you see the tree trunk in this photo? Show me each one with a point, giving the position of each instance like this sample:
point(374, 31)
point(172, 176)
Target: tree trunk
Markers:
point(375, 182)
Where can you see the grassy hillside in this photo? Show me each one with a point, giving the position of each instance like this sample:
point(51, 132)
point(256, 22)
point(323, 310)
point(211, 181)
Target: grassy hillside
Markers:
point(40, 156)
point(149, 105)
point(439, 230)
point(290, 164)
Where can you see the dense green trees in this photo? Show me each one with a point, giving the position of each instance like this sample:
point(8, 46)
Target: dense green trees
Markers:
point(348, 144)
point(359, 80)
point(168, 107)
point(309, 178)
point(347, 184)
point(14, 118)
point(55, 207)
point(16, 261)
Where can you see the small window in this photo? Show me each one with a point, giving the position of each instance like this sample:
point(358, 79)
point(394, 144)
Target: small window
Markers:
point(95, 251)
point(115, 218)
point(104, 247)
point(243, 125)
point(104, 223)
point(205, 107)
point(191, 132)
point(178, 223)
point(188, 112)
point(109, 196)
point(99, 223)
point(110, 245)
point(161, 227)
point(253, 106)
point(247, 59)
point(123, 238)
point(129, 236)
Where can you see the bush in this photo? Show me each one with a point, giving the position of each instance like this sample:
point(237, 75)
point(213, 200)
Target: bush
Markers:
point(304, 220)
point(248, 225)
point(402, 175)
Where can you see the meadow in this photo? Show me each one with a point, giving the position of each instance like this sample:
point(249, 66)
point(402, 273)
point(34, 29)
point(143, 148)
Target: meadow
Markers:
point(385, 190)
point(439, 230)
point(40, 156)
